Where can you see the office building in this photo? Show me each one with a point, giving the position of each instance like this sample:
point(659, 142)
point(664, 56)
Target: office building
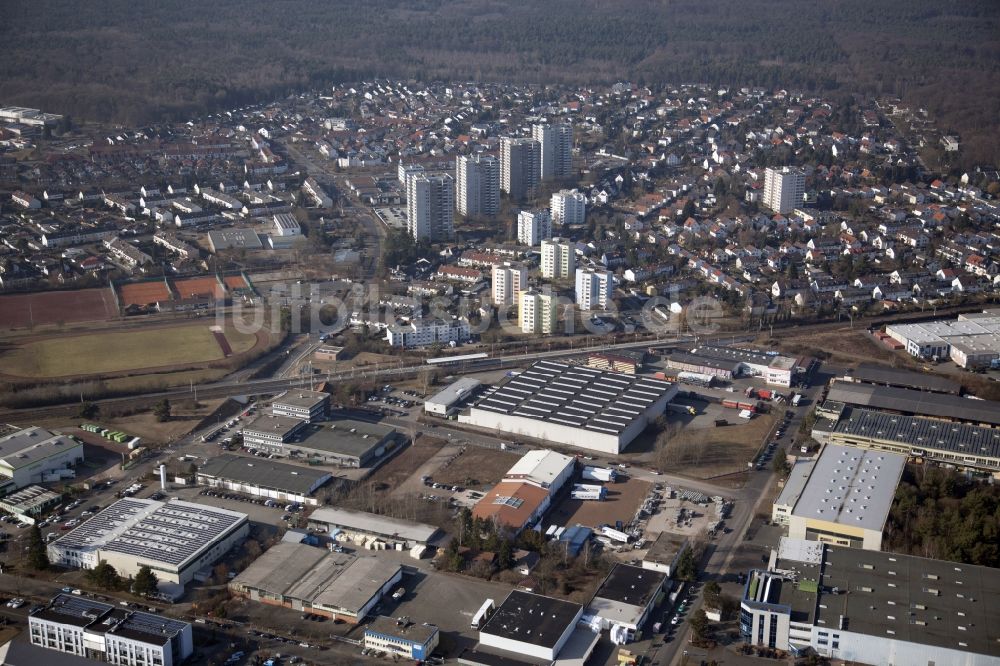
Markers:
point(477, 181)
point(260, 477)
point(509, 280)
point(301, 404)
point(270, 430)
point(537, 312)
point(531, 625)
point(519, 167)
point(870, 607)
point(401, 637)
point(573, 405)
point(533, 226)
point(594, 288)
point(112, 634)
point(556, 149)
point(306, 578)
point(784, 189)
point(558, 259)
point(35, 455)
point(430, 207)
point(176, 539)
point(845, 499)
point(568, 207)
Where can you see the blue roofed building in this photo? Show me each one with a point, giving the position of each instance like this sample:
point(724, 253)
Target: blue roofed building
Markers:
point(577, 537)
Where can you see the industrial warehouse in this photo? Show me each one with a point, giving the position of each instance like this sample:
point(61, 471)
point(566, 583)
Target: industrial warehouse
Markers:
point(883, 375)
point(730, 362)
point(35, 455)
point(175, 539)
point(573, 405)
point(871, 607)
point(844, 498)
point(916, 403)
point(958, 444)
point(625, 600)
point(532, 626)
point(346, 442)
point(971, 341)
point(306, 578)
point(263, 478)
point(367, 529)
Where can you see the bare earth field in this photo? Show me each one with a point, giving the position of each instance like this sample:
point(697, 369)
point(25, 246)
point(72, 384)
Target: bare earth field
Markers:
point(397, 470)
point(705, 453)
point(844, 346)
point(476, 468)
point(56, 307)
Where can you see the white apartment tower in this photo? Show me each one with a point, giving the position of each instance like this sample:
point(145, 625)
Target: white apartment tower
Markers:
point(519, 167)
point(477, 181)
point(558, 259)
point(784, 189)
point(536, 312)
point(533, 226)
point(405, 170)
point(508, 281)
point(568, 207)
point(594, 288)
point(430, 207)
point(556, 142)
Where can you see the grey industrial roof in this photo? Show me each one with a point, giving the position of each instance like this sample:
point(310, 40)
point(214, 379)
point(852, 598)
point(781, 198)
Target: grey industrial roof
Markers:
point(344, 437)
point(775, 588)
point(317, 576)
point(265, 473)
point(665, 548)
point(795, 482)
point(225, 239)
point(532, 618)
point(577, 396)
point(173, 532)
point(300, 398)
point(851, 486)
point(454, 391)
point(873, 373)
point(916, 402)
point(917, 432)
point(272, 424)
point(371, 523)
point(931, 602)
point(21, 653)
point(632, 585)
point(105, 618)
point(706, 361)
point(27, 446)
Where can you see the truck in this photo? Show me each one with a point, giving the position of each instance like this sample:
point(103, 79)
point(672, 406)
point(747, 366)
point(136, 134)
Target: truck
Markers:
point(796, 399)
point(602, 474)
point(588, 492)
point(483, 614)
point(614, 534)
point(696, 378)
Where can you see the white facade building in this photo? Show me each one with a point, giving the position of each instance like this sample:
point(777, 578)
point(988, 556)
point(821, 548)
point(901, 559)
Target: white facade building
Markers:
point(784, 189)
point(34, 454)
point(423, 333)
point(537, 312)
point(558, 259)
point(533, 226)
point(112, 634)
point(594, 288)
point(430, 207)
point(556, 146)
point(508, 281)
point(519, 167)
point(568, 207)
point(477, 181)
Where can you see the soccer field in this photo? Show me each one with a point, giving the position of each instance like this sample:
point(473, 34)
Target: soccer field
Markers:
point(102, 353)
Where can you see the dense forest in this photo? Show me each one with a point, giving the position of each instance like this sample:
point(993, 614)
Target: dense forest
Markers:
point(941, 514)
point(132, 62)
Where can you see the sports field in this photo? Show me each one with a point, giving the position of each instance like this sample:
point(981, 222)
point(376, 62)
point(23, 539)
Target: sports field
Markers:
point(55, 307)
point(197, 287)
point(143, 293)
point(120, 351)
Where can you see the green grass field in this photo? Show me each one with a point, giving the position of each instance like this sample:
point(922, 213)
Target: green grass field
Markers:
point(102, 353)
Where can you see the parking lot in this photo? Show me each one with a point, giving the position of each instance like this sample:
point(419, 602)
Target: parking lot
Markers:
point(623, 500)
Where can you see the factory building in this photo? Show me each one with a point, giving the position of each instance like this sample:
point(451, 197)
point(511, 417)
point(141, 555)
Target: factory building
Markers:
point(260, 477)
point(573, 405)
point(35, 455)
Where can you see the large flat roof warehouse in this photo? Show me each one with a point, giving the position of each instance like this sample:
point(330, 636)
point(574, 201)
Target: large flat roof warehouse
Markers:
point(443, 400)
point(531, 618)
point(174, 532)
point(322, 579)
point(356, 440)
point(541, 467)
point(371, 523)
point(573, 405)
point(974, 446)
point(873, 373)
point(920, 403)
point(851, 486)
point(264, 473)
point(228, 239)
point(28, 446)
point(626, 592)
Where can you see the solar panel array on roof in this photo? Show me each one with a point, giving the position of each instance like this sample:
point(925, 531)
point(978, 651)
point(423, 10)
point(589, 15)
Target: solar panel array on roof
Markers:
point(576, 396)
point(920, 432)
